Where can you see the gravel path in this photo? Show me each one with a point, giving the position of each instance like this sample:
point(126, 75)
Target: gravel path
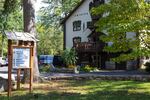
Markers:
point(104, 75)
point(111, 73)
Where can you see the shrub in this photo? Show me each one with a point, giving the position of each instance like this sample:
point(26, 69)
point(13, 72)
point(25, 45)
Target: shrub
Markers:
point(69, 57)
point(45, 68)
point(147, 65)
point(87, 68)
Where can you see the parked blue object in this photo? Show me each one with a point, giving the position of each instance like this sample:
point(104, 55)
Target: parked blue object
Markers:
point(46, 59)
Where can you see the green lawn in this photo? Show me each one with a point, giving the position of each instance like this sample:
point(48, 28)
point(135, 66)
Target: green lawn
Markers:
point(84, 90)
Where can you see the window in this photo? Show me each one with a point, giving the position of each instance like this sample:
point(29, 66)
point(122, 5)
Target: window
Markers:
point(90, 25)
point(77, 25)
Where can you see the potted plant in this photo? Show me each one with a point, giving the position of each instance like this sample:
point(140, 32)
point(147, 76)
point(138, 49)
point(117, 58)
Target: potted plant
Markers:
point(69, 57)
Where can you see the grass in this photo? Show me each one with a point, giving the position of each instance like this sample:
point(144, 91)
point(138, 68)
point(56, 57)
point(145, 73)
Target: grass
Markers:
point(84, 90)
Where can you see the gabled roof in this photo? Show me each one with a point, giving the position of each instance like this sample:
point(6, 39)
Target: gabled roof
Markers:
point(68, 16)
point(20, 36)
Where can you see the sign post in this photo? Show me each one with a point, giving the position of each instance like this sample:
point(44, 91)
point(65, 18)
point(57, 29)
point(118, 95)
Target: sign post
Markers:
point(9, 67)
point(20, 56)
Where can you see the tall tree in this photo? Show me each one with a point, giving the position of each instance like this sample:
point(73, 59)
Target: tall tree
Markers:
point(49, 29)
point(119, 17)
point(50, 40)
point(8, 10)
point(68, 5)
point(29, 26)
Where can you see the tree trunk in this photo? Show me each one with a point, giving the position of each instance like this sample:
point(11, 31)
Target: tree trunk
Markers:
point(29, 26)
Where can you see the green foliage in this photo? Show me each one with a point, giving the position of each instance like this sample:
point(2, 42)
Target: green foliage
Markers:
point(4, 46)
point(68, 5)
point(49, 31)
point(147, 65)
point(10, 6)
point(15, 21)
point(51, 15)
point(87, 68)
point(10, 15)
point(69, 57)
point(48, 25)
point(119, 17)
point(10, 20)
point(50, 40)
point(45, 68)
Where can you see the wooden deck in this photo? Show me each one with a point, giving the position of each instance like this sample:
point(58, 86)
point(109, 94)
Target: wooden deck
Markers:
point(88, 47)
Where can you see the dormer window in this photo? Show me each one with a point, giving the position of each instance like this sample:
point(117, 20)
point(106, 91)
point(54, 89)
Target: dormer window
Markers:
point(77, 25)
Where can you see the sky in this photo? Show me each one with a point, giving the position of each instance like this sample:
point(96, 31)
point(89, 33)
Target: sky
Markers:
point(38, 5)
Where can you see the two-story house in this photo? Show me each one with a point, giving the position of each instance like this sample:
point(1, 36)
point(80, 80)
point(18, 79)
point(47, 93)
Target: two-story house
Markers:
point(79, 33)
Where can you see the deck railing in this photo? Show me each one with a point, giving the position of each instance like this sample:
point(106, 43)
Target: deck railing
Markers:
point(87, 46)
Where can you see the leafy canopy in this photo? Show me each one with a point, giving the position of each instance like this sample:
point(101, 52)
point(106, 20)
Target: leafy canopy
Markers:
point(10, 15)
point(49, 29)
point(10, 19)
point(120, 17)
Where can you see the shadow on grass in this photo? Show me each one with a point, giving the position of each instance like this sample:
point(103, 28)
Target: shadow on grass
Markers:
point(96, 90)
point(108, 85)
point(98, 95)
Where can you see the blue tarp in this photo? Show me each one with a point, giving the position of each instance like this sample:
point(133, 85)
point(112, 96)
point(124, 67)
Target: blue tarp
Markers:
point(46, 59)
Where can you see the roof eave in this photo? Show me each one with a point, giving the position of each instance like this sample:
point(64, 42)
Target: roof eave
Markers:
point(69, 15)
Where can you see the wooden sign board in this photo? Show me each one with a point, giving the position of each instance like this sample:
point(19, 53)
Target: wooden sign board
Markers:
point(21, 58)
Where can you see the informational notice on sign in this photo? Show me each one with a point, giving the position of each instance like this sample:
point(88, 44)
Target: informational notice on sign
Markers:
point(21, 58)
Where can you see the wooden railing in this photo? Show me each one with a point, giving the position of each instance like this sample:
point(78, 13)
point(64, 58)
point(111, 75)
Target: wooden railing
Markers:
point(88, 46)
